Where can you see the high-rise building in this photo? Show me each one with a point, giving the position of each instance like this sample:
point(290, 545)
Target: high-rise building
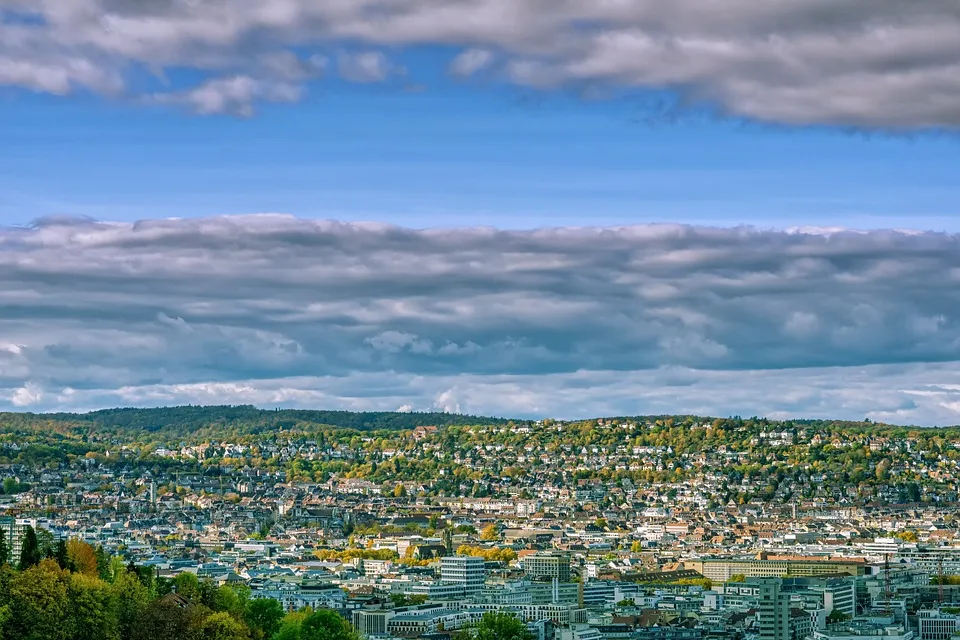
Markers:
point(466, 571)
point(773, 610)
point(13, 530)
point(550, 564)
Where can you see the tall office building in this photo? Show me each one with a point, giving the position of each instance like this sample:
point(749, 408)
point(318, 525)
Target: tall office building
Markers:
point(13, 530)
point(548, 565)
point(466, 571)
point(773, 610)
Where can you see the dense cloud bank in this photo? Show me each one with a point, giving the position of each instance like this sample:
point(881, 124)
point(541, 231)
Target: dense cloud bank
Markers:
point(569, 321)
point(863, 63)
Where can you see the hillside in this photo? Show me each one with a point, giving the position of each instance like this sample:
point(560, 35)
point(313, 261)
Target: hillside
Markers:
point(245, 418)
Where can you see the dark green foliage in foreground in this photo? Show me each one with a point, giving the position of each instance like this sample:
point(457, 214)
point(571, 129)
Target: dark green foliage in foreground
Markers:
point(319, 625)
point(46, 601)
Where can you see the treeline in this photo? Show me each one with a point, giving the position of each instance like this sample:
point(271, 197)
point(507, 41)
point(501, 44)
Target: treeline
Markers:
point(756, 423)
point(239, 418)
point(490, 554)
point(68, 590)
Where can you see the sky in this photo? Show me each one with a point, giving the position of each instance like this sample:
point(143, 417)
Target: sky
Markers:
point(512, 207)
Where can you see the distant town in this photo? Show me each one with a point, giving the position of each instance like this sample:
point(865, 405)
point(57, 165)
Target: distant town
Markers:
point(418, 525)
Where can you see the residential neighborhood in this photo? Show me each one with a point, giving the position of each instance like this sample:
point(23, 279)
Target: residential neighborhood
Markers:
point(659, 529)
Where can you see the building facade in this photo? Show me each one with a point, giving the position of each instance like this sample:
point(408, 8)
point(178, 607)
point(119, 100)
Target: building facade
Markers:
point(548, 565)
point(773, 610)
point(466, 571)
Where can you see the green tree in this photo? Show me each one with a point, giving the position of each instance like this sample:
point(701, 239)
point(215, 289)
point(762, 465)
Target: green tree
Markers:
point(326, 625)
point(407, 600)
point(187, 585)
point(222, 626)
point(46, 543)
point(264, 531)
point(263, 616)
point(103, 564)
point(290, 626)
point(837, 616)
point(231, 599)
point(93, 608)
point(61, 556)
point(5, 615)
point(30, 555)
point(131, 598)
point(208, 594)
point(40, 607)
point(499, 626)
point(166, 619)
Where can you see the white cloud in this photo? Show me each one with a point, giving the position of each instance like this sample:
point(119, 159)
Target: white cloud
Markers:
point(902, 394)
point(27, 395)
point(859, 63)
point(470, 62)
point(553, 321)
point(397, 341)
point(365, 67)
point(235, 95)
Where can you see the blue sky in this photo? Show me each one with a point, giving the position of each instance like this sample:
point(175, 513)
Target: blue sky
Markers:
point(511, 207)
point(455, 154)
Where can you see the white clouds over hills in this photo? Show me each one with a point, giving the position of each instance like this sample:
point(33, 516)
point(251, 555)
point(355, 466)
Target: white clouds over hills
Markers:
point(862, 63)
point(569, 321)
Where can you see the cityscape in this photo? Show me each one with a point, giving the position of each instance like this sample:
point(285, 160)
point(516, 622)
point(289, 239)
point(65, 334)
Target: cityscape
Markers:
point(479, 320)
point(425, 525)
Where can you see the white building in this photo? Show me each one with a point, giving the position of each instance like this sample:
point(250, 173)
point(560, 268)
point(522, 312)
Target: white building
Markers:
point(466, 571)
point(862, 630)
point(934, 624)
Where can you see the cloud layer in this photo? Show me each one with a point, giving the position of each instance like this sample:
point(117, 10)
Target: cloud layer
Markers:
point(863, 63)
point(567, 321)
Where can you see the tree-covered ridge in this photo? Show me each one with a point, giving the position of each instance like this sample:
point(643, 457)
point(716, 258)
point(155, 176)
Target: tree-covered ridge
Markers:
point(656, 458)
point(245, 418)
point(214, 421)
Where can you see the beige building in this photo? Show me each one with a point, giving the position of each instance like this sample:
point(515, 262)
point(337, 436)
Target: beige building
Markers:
point(764, 566)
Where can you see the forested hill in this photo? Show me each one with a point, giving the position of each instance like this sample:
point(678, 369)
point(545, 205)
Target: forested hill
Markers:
point(221, 421)
point(243, 418)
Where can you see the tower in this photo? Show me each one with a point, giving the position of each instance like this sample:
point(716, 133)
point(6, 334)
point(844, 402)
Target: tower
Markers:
point(887, 593)
point(448, 541)
point(773, 610)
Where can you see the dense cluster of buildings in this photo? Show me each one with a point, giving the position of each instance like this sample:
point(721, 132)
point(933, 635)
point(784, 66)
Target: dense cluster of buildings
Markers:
point(554, 531)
